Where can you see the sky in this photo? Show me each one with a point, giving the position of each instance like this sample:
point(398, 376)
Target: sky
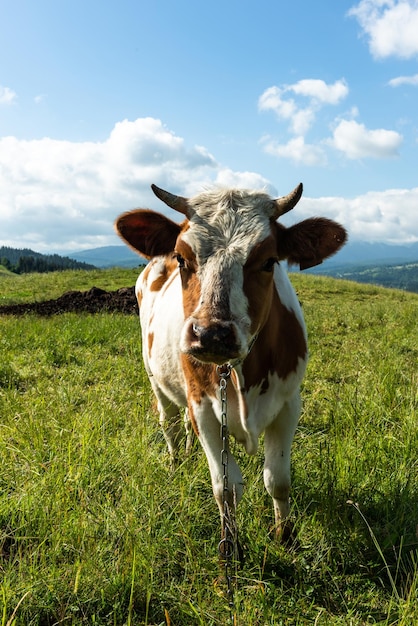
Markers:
point(99, 99)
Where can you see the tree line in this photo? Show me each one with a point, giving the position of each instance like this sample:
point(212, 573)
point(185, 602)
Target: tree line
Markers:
point(25, 261)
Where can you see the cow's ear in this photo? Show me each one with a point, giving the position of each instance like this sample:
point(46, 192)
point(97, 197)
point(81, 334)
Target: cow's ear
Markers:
point(151, 234)
point(310, 242)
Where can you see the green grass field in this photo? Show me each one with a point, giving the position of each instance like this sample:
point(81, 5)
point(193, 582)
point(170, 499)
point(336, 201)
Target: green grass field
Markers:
point(95, 529)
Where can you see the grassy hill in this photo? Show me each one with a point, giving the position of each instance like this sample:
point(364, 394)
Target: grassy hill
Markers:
point(95, 529)
point(5, 271)
point(38, 287)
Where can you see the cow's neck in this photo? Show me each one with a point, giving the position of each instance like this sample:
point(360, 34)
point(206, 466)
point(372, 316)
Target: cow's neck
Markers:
point(279, 345)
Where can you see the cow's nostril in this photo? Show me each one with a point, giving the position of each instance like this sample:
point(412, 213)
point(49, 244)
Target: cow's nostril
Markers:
point(197, 330)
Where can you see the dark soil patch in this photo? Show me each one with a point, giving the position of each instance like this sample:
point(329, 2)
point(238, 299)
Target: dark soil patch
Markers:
point(93, 301)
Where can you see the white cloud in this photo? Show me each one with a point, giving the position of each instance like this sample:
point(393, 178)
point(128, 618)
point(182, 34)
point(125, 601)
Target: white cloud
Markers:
point(296, 150)
point(388, 216)
point(62, 195)
point(320, 91)
point(351, 138)
point(404, 80)
point(272, 100)
point(357, 142)
point(227, 178)
point(390, 25)
point(7, 95)
point(301, 115)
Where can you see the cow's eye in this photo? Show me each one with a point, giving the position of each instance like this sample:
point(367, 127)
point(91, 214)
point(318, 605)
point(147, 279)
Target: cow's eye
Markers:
point(268, 265)
point(180, 261)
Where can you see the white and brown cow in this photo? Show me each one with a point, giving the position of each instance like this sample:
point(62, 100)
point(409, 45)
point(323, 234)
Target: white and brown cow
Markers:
point(216, 292)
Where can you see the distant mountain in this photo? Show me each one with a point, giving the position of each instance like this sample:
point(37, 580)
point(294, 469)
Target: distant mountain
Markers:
point(361, 252)
point(25, 261)
point(109, 256)
point(374, 263)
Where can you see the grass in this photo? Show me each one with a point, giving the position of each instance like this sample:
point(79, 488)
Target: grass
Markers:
point(94, 529)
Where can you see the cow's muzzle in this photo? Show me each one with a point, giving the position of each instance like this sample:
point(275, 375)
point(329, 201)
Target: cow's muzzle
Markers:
point(215, 342)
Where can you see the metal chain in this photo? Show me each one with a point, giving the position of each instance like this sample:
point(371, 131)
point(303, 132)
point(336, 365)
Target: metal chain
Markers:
point(228, 542)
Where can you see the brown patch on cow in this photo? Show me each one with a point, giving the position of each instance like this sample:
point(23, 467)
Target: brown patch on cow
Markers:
point(281, 341)
point(193, 419)
point(170, 266)
point(184, 250)
point(279, 346)
point(191, 293)
point(189, 280)
point(202, 378)
point(146, 272)
point(139, 299)
point(150, 342)
point(258, 284)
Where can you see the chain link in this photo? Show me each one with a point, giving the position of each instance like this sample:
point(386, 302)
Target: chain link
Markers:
point(227, 545)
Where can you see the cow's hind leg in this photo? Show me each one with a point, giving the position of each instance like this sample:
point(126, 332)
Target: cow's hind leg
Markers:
point(278, 441)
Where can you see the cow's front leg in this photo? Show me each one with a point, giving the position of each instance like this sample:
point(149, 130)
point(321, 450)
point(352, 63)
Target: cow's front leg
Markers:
point(227, 482)
point(278, 441)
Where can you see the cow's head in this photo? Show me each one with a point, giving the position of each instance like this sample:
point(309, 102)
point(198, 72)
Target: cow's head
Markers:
point(226, 250)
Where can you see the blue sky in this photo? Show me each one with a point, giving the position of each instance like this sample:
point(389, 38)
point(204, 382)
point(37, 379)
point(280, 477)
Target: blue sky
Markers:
point(100, 99)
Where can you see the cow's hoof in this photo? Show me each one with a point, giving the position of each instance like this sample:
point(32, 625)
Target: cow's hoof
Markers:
point(286, 534)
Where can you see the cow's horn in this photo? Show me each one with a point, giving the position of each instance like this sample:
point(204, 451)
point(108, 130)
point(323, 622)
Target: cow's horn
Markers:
point(178, 203)
point(286, 203)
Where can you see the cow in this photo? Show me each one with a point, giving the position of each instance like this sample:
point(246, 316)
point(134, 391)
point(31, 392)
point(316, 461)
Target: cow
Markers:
point(216, 293)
